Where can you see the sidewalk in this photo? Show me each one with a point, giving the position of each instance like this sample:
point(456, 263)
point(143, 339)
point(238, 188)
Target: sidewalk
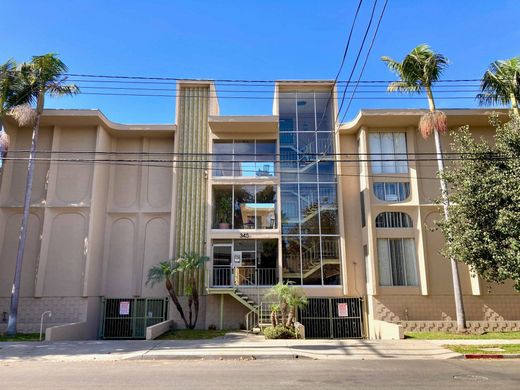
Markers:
point(234, 345)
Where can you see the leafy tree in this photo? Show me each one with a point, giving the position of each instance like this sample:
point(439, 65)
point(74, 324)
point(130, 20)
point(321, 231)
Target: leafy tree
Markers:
point(484, 220)
point(43, 75)
point(501, 84)
point(166, 271)
point(417, 72)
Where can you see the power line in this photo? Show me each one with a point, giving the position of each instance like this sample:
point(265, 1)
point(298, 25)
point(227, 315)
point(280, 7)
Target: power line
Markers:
point(252, 155)
point(242, 81)
point(270, 98)
point(357, 57)
point(364, 64)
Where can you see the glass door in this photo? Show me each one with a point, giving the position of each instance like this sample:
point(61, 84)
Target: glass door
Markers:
point(222, 274)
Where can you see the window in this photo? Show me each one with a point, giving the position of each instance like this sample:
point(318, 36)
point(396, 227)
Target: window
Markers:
point(392, 191)
point(363, 212)
point(397, 262)
point(244, 158)
point(393, 219)
point(244, 207)
point(387, 152)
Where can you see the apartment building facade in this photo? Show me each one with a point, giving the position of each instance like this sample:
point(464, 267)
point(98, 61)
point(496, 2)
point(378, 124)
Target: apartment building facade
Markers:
point(293, 196)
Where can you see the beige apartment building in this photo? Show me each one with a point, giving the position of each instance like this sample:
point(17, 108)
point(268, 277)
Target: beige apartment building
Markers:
point(292, 196)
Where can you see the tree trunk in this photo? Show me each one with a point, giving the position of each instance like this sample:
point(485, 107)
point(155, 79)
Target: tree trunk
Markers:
point(274, 319)
point(190, 312)
point(514, 103)
point(15, 292)
point(290, 318)
point(283, 312)
point(195, 304)
point(175, 300)
point(459, 305)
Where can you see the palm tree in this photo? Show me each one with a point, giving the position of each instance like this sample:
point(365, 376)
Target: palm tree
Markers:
point(417, 72)
point(190, 263)
point(295, 300)
point(280, 292)
point(501, 84)
point(43, 75)
point(13, 100)
point(165, 272)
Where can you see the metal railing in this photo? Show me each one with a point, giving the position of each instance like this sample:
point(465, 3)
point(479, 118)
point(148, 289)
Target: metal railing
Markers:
point(243, 276)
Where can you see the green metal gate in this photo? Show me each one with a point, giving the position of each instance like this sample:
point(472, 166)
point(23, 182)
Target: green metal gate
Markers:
point(333, 318)
point(127, 318)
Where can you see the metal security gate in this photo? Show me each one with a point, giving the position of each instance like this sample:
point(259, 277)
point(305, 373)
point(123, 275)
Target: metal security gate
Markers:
point(127, 318)
point(333, 318)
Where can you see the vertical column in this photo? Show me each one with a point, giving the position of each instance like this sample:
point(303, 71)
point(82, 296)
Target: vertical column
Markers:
point(97, 218)
point(416, 200)
point(189, 217)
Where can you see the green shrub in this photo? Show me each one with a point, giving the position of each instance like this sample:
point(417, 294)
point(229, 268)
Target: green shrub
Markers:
point(279, 332)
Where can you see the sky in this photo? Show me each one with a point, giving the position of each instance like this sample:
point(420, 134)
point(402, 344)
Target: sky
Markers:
point(252, 40)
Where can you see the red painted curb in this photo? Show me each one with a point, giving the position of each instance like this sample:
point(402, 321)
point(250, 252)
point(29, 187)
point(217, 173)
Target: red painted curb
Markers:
point(483, 356)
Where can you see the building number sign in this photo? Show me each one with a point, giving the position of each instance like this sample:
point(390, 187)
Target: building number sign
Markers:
point(244, 235)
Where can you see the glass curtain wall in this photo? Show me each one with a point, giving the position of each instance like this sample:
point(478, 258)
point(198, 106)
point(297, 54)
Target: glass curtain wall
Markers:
point(244, 207)
point(235, 158)
point(308, 190)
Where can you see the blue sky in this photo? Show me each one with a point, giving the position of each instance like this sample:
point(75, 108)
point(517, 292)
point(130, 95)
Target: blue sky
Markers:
point(249, 40)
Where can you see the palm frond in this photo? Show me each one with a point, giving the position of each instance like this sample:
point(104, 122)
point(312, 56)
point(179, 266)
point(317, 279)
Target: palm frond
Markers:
point(160, 272)
point(418, 70)
point(4, 143)
point(57, 89)
point(500, 82)
point(403, 86)
point(432, 121)
point(23, 114)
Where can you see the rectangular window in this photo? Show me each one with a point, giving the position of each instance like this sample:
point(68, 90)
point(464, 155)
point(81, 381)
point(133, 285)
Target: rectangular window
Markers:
point(397, 262)
point(244, 207)
point(244, 158)
point(392, 191)
point(388, 152)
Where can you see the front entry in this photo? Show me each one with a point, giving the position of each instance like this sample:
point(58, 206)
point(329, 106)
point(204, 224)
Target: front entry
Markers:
point(244, 263)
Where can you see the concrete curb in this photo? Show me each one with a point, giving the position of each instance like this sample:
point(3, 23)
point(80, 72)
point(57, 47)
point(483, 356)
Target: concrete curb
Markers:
point(491, 356)
point(222, 357)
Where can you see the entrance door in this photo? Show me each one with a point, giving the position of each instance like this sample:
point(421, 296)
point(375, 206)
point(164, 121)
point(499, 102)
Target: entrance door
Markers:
point(222, 256)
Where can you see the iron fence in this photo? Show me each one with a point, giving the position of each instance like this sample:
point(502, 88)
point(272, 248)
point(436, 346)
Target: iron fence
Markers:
point(334, 318)
point(128, 318)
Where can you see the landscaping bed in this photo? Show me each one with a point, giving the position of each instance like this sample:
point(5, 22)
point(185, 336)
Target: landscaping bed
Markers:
point(192, 334)
point(20, 337)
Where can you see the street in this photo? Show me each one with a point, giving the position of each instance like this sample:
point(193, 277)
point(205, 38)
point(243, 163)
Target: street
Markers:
point(262, 374)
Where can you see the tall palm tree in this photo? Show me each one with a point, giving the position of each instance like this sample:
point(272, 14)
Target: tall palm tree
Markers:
point(43, 75)
point(14, 97)
point(190, 263)
point(165, 272)
point(417, 72)
point(501, 84)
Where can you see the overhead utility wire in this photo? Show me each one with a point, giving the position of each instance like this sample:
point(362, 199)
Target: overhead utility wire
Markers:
point(266, 97)
point(226, 81)
point(358, 55)
point(305, 154)
point(364, 65)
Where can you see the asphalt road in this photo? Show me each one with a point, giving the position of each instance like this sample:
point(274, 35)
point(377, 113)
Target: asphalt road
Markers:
point(262, 374)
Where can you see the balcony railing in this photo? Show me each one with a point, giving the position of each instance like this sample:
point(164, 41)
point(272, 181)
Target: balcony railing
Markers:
point(243, 277)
